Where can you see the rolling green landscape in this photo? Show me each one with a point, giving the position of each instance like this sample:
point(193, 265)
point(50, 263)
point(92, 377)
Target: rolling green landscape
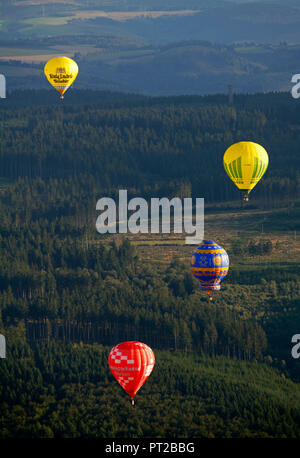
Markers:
point(155, 48)
point(68, 294)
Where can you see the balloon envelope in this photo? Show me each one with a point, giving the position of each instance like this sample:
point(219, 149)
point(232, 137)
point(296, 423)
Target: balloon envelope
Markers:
point(61, 72)
point(245, 163)
point(210, 264)
point(131, 363)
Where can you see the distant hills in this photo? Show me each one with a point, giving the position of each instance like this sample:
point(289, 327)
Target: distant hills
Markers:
point(258, 22)
point(196, 67)
point(217, 21)
point(190, 67)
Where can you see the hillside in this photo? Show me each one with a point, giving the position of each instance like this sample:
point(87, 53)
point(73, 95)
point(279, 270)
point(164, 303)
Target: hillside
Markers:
point(221, 398)
point(128, 65)
point(157, 48)
point(223, 22)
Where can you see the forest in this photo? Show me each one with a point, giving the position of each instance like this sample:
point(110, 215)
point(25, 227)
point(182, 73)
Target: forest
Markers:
point(68, 294)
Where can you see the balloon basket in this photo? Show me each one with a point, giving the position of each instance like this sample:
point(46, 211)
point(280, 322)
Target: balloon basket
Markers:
point(246, 196)
point(210, 298)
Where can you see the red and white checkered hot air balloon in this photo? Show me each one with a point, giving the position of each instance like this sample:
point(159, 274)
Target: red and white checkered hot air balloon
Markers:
point(131, 364)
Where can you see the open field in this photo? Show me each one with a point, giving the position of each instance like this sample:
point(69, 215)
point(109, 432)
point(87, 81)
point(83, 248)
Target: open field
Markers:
point(225, 228)
point(37, 55)
point(13, 71)
point(90, 52)
point(68, 294)
point(81, 20)
point(15, 54)
point(43, 2)
point(114, 15)
point(125, 15)
point(32, 58)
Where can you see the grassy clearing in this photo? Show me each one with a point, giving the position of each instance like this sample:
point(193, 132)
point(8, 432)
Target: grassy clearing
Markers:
point(4, 183)
point(39, 54)
point(80, 19)
point(41, 21)
point(14, 70)
point(115, 15)
point(225, 228)
point(43, 2)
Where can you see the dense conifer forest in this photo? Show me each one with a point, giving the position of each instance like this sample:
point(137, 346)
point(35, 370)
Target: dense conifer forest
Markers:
point(68, 294)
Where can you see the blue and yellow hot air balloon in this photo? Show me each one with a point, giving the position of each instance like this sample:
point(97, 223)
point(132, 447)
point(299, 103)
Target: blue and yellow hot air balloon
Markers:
point(245, 163)
point(210, 264)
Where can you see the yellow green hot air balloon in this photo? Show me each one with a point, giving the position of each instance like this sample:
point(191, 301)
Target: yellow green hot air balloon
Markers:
point(61, 72)
point(245, 163)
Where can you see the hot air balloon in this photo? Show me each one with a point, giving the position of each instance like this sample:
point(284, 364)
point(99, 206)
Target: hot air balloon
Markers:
point(245, 163)
point(61, 72)
point(210, 264)
point(131, 363)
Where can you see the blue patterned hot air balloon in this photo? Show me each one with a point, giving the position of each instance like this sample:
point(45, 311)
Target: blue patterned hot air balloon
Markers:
point(210, 264)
